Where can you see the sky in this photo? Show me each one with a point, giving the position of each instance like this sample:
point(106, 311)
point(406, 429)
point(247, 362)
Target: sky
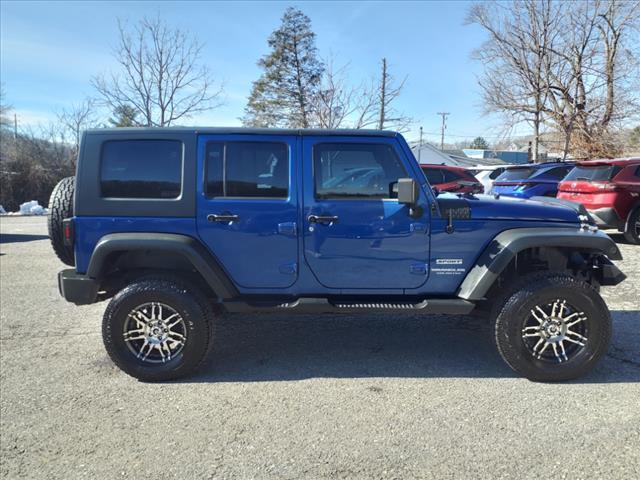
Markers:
point(50, 50)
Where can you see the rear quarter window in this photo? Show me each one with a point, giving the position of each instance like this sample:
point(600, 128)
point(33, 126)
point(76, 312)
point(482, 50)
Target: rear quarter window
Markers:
point(141, 169)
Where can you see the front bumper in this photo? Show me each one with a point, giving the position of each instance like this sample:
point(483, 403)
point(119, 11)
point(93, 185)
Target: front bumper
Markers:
point(607, 218)
point(77, 288)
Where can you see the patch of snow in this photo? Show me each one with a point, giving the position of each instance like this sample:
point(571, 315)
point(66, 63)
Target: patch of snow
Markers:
point(32, 208)
point(2, 210)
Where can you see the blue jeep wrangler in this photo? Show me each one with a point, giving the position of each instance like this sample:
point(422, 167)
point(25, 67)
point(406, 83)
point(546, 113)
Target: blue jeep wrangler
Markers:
point(178, 226)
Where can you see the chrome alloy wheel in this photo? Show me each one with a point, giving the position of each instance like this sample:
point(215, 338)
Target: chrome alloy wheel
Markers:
point(637, 226)
point(555, 332)
point(154, 332)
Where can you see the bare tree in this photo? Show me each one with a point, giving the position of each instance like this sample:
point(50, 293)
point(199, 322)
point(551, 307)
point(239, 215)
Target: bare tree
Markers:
point(5, 109)
point(515, 58)
point(334, 102)
point(388, 93)
point(570, 65)
point(591, 84)
point(74, 120)
point(160, 75)
point(366, 105)
point(340, 104)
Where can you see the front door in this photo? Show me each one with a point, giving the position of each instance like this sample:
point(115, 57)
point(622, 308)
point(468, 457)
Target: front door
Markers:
point(356, 234)
point(247, 206)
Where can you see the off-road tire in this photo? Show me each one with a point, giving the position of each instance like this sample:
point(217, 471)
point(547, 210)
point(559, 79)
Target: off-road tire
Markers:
point(631, 234)
point(185, 299)
point(61, 207)
point(539, 288)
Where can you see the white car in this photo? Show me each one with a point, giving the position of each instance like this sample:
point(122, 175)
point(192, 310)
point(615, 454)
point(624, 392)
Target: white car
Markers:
point(486, 174)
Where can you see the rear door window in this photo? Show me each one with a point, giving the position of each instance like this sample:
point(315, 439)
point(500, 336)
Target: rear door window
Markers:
point(141, 169)
point(247, 169)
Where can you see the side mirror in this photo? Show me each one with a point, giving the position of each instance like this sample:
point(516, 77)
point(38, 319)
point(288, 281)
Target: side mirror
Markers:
point(408, 191)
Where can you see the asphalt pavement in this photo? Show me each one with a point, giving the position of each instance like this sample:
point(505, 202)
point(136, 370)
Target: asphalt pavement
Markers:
point(383, 396)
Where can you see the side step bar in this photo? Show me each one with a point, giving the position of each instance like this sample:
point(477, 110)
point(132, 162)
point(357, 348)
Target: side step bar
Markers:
point(454, 306)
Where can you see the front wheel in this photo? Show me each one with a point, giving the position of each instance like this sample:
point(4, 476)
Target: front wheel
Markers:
point(157, 329)
point(552, 327)
point(632, 227)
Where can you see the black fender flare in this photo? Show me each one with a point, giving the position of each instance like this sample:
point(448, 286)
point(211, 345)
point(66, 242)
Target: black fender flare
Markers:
point(188, 247)
point(504, 247)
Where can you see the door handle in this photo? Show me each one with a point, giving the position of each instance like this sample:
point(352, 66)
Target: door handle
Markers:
point(326, 219)
point(224, 217)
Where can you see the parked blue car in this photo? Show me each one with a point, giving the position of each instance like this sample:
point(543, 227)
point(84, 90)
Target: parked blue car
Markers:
point(533, 180)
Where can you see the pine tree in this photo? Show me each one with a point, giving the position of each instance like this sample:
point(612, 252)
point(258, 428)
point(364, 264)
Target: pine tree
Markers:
point(479, 143)
point(124, 116)
point(284, 94)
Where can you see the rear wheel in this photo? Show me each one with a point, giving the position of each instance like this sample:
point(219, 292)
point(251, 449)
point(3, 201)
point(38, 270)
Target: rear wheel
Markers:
point(632, 228)
point(552, 327)
point(158, 329)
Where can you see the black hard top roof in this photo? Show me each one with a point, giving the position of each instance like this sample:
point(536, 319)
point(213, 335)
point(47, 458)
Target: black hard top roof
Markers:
point(247, 131)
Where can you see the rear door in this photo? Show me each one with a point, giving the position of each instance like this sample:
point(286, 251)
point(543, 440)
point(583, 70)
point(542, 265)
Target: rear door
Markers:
point(356, 234)
point(247, 206)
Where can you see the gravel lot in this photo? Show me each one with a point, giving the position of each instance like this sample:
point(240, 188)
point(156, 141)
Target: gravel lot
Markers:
point(316, 397)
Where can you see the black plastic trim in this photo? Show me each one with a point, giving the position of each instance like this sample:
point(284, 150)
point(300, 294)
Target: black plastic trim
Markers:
point(610, 275)
point(507, 244)
point(77, 288)
point(188, 247)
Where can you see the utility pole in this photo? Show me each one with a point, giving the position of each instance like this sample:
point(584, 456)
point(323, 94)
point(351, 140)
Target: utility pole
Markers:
point(420, 145)
point(444, 126)
point(15, 126)
point(383, 94)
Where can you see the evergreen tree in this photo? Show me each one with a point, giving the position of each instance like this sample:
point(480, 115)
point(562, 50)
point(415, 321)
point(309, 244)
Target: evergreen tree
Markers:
point(124, 116)
point(479, 143)
point(284, 95)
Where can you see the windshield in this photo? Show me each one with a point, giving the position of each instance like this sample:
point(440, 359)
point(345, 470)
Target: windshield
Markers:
point(513, 174)
point(595, 173)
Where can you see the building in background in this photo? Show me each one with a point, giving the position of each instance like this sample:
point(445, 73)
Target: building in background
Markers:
point(427, 153)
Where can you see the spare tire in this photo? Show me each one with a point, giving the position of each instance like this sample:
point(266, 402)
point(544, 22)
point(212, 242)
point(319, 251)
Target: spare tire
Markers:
point(61, 207)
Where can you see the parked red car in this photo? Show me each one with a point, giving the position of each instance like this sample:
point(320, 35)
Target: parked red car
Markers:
point(610, 191)
point(451, 179)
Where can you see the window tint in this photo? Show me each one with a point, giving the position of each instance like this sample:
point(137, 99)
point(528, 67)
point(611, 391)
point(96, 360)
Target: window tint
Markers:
point(247, 169)
point(496, 173)
point(559, 172)
point(141, 169)
point(512, 174)
point(638, 172)
point(450, 176)
point(595, 173)
point(356, 170)
point(434, 175)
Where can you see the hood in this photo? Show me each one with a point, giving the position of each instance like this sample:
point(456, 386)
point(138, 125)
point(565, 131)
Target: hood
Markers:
point(541, 209)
